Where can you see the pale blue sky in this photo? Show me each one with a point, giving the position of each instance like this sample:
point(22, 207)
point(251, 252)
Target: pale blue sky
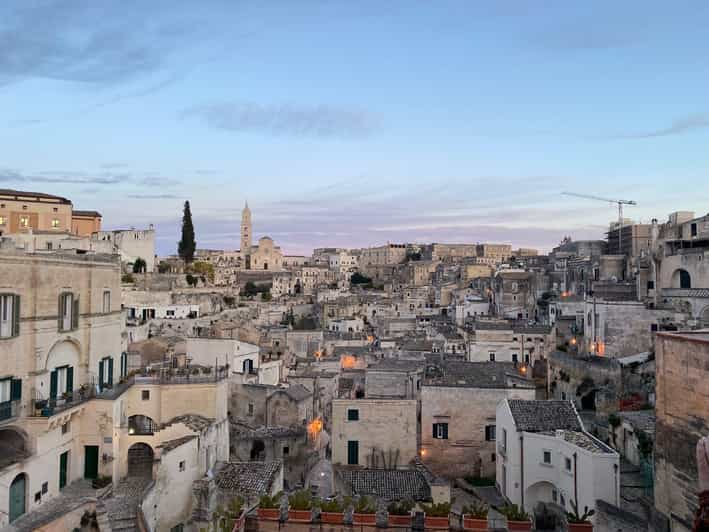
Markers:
point(355, 123)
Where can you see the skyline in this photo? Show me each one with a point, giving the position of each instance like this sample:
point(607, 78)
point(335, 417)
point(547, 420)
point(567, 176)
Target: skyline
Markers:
point(353, 125)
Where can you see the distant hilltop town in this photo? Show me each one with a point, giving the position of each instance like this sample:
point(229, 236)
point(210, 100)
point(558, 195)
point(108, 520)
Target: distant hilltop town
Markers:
point(439, 386)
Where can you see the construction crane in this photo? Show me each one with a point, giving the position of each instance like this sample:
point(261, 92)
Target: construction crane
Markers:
point(620, 204)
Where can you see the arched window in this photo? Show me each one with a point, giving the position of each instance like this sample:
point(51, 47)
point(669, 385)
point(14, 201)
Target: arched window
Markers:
point(141, 425)
point(685, 281)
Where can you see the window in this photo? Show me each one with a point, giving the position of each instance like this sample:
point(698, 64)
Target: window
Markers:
point(24, 207)
point(24, 221)
point(182, 465)
point(38, 496)
point(514, 357)
point(54, 209)
point(693, 229)
point(493, 457)
point(2, 220)
point(45, 487)
point(554, 496)
point(286, 450)
point(9, 315)
point(526, 359)
point(440, 431)
point(352, 452)
point(251, 409)
point(107, 301)
point(61, 381)
point(105, 373)
point(352, 414)
point(567, 462)
point(145, 395)
point(653, 327)
point(66, 427)
point(563, 396)
point(489, 432)
point(68, 312)
point(651, 285)
point(547, 457)
point(50, 246)
point(492, 356)
point(55, 223)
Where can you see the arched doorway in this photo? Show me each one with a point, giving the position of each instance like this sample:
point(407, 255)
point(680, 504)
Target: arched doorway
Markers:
point(681, 279)
point(543, 491)
point(258, 450)
point(18, 498)
point(140, 460)
point(704, 318)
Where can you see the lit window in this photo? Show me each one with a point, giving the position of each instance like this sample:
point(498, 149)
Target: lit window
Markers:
point(24, 221)
point(2, 220)
point(55, 223)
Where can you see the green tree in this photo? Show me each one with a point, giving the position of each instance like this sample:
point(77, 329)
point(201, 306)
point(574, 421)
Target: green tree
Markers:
point(187, 245)
point(191, 279)
point(358, 278)
point(139, 265)
point(163, 267)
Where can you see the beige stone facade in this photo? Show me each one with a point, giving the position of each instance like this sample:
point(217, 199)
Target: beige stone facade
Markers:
point(682, 417)
point(374, 432)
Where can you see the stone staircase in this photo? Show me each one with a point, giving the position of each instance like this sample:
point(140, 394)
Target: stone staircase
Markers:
point(120, 507)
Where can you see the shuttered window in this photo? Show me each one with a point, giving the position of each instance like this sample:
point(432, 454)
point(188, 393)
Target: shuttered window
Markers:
point(9, 315)
point(68, 312)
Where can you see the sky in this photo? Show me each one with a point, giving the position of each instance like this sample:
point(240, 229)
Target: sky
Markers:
point(356, 123)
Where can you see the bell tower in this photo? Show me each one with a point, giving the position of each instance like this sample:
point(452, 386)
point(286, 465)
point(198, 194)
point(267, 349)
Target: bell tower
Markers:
point(246, 231)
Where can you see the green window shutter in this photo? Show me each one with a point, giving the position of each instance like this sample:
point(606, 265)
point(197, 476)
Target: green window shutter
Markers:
point(59, 311)
point(16, 390)
point(110, 371)
point(352, 452)
point(16, 317)
point(53, 385)
point(100, 374)
point(445, 431)
point(70, 379)
point(75, 314)
point(435, 432)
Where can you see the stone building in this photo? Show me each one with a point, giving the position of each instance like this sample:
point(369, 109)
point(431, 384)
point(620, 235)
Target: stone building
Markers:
point(246, 231)
point(458, 401)
point(514, 295)
point(509, 341)
point(374, 432)
point(544, 454)
point(682, 417)
point(493, 254)
point(387, 255)
point(36, 211)
point(130, 244)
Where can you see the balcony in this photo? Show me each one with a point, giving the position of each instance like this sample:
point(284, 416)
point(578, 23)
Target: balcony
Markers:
point(686, 292)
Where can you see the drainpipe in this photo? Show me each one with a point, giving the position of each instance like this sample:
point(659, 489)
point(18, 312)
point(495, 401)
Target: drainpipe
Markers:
point(576, 483)
point(521, 469)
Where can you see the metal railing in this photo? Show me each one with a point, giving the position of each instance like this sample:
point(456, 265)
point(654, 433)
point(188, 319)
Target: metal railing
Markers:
point(9, 409)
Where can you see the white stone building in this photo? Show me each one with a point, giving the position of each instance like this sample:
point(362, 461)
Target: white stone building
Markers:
point(130, 244)
point(545, 454)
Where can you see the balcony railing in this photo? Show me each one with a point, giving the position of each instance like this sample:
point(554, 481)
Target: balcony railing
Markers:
point(686, 292)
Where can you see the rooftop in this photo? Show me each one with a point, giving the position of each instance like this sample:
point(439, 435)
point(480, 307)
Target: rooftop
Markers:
point(643, 420)
point(89, 214)
point(544, 416)
point(581, 439)
point(396, 364)
point(474, 375)
point(29, 196)
point(388, 484)
point(193, 421)
point(247, 477)
point(169, 445)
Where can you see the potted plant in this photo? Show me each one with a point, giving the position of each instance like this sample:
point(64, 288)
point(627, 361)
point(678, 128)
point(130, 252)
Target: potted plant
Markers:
point(579, 522)
point(300, 507)
point(437, 516)
point(400, 513)
point(517, 518)
point(365, 512)
point(332, 512)
point(269, 507)
point(475, 517)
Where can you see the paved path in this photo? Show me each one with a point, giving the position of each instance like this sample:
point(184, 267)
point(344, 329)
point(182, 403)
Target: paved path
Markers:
point(122, 505)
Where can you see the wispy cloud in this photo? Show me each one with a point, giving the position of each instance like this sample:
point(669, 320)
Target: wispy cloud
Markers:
point(318, 121)
point(682, 125)
point(153, 196)
point(104, 177)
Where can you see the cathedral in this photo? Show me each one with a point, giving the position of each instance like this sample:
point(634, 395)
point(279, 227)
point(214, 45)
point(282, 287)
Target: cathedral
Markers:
point(264, 256)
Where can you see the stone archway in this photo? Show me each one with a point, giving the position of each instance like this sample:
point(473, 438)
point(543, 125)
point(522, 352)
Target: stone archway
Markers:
point(704, 318)
point(542, 491)
point(140, 460)
point(681, 279)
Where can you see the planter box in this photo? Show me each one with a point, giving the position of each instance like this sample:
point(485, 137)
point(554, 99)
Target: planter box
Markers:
point(365, 519)
point(399, 520)
point(269, 514)
point(471, 523)
point(332, 518)
point(300, 516)
point(519, 525)
point(580, 527)
point(436, 523)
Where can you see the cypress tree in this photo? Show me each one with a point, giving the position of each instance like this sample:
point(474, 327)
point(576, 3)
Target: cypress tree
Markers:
point(186, 247)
